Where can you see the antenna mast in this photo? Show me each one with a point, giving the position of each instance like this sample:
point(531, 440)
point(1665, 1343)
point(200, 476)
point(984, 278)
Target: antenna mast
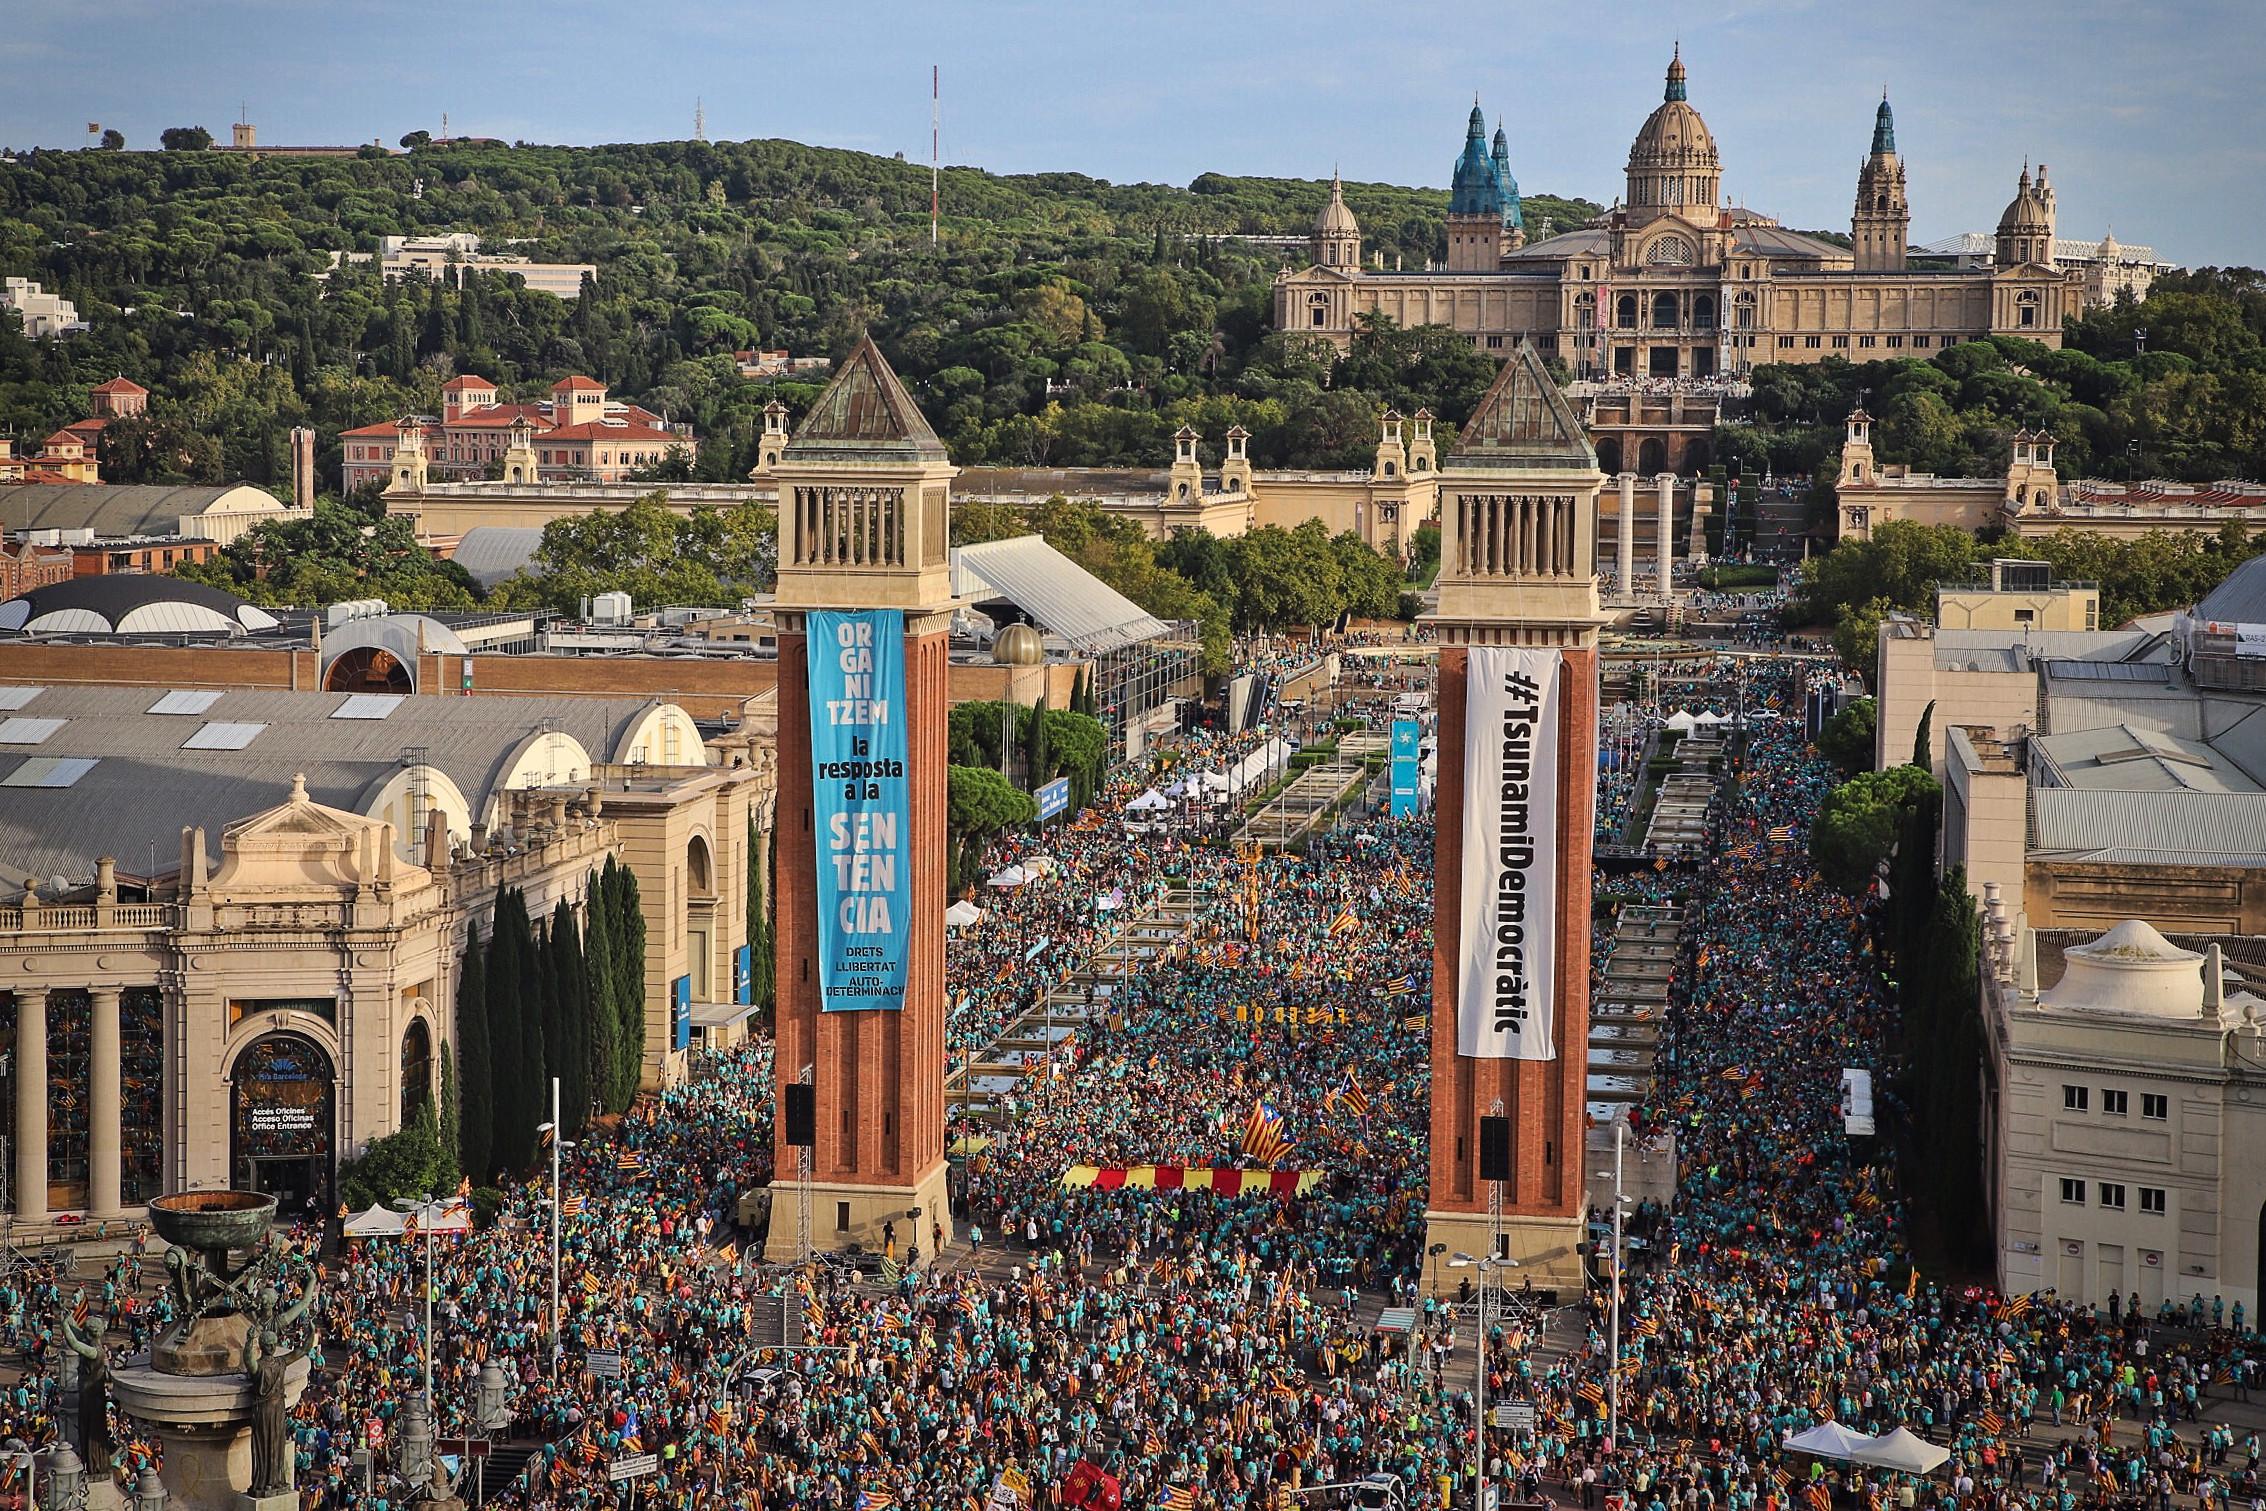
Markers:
point(935, 135)
point(699, 120)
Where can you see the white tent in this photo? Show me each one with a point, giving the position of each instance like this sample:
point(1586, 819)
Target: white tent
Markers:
point(1682, 722)
point(961, 914)
point(1151, 801)
point(1011, 878)
point(1902, 1450)
point(1712, 718)
point(451, 1216)
point(1828, 1440)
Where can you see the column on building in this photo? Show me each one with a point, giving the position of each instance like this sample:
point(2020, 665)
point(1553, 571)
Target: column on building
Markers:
point(105, 1130)
point(1667, 484)
point(31, 1105)
point(1626, 537)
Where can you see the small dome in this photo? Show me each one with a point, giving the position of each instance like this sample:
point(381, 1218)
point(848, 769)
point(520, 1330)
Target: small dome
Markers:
point(2130, 969)
point(2026, 211)
point(2111, 250)
point(131, 603)
point(1018, 645)
point(1674, 135)
point(1336, 219)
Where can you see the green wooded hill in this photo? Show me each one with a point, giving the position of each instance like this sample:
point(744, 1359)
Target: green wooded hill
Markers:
point(1062, 320)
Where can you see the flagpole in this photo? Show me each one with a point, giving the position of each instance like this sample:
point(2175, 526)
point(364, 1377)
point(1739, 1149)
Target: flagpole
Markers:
point(557, 1342)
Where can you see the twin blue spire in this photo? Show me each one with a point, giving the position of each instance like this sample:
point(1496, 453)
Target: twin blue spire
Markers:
point(1481, 183)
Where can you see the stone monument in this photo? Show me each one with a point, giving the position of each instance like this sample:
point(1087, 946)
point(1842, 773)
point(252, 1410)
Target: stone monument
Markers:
point(219, 1385)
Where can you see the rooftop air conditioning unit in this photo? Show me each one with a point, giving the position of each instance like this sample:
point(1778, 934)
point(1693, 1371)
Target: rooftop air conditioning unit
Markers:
point(610, 608)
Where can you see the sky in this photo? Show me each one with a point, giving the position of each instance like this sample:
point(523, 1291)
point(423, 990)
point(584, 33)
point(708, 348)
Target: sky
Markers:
point(2151, 113)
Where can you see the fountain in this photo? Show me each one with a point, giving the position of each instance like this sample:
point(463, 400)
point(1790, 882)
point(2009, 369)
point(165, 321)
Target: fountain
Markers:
point(219, 1385)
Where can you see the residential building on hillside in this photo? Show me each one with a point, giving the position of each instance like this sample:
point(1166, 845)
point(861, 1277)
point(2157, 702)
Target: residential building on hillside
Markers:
point(45, 316)
point(577, 435)
point(436, 257)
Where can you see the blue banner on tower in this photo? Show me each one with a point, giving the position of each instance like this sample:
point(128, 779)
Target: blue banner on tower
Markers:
point(1404, 767)
point(861, 807)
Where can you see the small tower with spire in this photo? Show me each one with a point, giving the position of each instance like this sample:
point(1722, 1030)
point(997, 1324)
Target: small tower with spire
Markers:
point(1514, 218)
point(1475, 203)
point(1882, 222)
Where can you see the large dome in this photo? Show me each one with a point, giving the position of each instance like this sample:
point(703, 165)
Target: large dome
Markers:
point(1672, 163)
point(131, 603)
point(1336, 219)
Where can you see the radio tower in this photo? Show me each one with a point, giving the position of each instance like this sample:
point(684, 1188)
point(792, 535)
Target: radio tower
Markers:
point(935, 118)
point(699, 121)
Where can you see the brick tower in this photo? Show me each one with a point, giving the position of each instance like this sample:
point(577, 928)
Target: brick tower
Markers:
point(863, 610)
point(1517, 620)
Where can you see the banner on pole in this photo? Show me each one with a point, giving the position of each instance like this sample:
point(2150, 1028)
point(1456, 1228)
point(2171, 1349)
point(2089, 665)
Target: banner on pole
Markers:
point(1405, 734)
point(861, 801)
point(1505, 1000)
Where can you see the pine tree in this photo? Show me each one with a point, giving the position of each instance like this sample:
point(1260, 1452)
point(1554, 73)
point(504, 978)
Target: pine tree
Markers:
point(478, 1117)
point(570, 996)
point(603, 1049)
point(629, 984)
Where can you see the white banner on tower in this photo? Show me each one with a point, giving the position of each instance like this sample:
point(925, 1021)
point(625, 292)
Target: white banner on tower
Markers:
point(1504, 998)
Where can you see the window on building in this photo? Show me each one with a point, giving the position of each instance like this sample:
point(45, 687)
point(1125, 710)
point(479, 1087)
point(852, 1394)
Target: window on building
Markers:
point(1785, 342)
point(1895, 341)
point(1812, 343)
point(2075, 1098)
point(2112, 1100)
point(2112, 1196)
point(1864, 341)
point(1840, 343)
point(2156, 1105)
point(2152, 1200)
point(2073, 1192)
point(1919, 340)
point(1494, 343)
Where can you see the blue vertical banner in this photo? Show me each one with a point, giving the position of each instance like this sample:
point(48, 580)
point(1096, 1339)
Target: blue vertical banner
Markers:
point(1405, 734)
point(861, 807)
point(680, 1013)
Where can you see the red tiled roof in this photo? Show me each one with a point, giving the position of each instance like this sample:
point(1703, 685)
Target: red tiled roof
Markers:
point(46, 475)
point(578, 384)
point(120, 385)
point(62, 438)
point(497, 416)
point(599, 431)
point(90, 427)
point(382, 428)
point(462, 381)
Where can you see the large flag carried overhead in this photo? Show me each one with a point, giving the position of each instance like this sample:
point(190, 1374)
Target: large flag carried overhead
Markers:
point(1505, 997)
point(1263, 1138)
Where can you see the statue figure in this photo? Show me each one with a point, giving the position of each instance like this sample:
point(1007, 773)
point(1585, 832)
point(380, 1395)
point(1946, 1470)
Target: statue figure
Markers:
point(272, 1451)
point(439, 1493)
point(93, 1437)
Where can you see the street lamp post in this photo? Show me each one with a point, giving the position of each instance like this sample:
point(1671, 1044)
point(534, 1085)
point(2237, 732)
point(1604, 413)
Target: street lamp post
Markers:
point(1613, 1379)
point(1487, 1266)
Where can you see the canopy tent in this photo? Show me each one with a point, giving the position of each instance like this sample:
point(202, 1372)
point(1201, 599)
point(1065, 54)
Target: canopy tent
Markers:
point(961, 914)
point(1682, 721)
point(1828, 1440)
point(1011, 878)
point(1902, 1450)
point(1711, 717)
point(451, 1216)
point(1151, 801)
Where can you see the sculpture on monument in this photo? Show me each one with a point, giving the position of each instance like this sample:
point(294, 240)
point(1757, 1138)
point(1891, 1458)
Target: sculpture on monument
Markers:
point(219, 1385)
point(92, 1439)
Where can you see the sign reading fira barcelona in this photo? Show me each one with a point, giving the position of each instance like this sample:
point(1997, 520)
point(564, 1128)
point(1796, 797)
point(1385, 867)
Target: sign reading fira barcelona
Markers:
point(861, 816)
point(1504, 998)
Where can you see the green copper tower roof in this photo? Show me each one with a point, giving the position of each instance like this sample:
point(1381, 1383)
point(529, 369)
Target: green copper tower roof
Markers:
point(1884, 127)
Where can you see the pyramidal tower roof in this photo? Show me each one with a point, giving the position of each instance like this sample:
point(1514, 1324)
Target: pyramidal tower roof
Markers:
point(1523, 421)
point(865, 414)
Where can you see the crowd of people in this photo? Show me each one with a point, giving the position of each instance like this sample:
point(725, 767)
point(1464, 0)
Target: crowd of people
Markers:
point(1209, 1350)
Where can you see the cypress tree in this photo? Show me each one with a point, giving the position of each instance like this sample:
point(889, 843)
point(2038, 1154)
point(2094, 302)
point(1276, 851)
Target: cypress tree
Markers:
point(570, 997)
point(603, 1049)
point(1038, 756)
point(451, 1113)
point(760, 930)
point(514, 993)
point(478, 1115)
point(629, 983)
point(1922, 756)
point(543, 1010)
